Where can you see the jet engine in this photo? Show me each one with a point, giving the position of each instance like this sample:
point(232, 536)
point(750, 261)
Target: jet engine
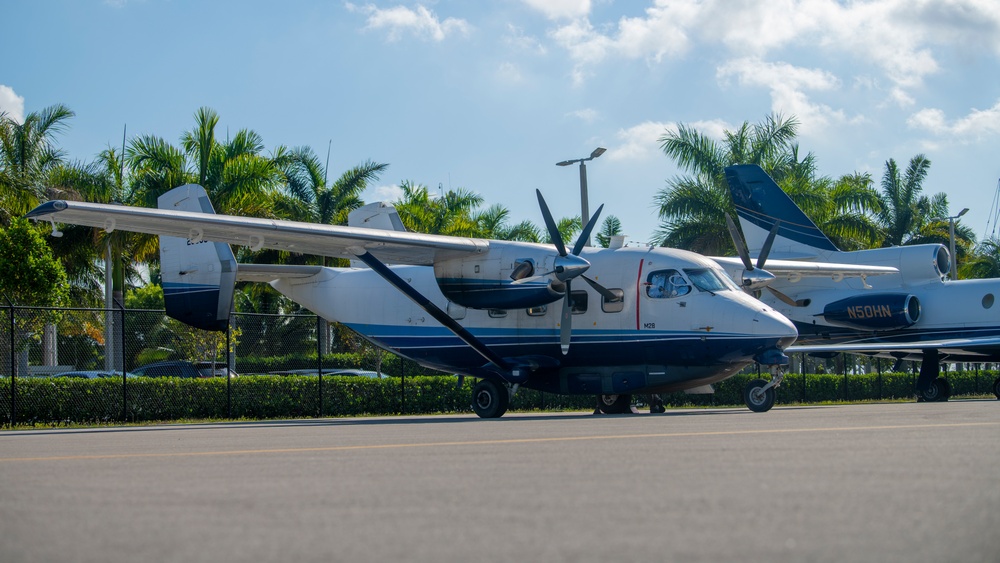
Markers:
point(882, 311)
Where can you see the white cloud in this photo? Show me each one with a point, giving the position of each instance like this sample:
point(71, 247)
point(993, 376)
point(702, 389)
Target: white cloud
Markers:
point(11, 103)
point(509, 73)
point(901, 37)
point(662, 32)
point(586, 114)
point(642, 141)
point(788, 85)
point(515, 37)
point(419, 21)
point(390, 193)
point(973, 127)
point(560, 9)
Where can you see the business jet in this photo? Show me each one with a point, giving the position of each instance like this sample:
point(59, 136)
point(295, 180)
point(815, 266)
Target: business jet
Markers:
point(915, 314)
point(646, 320)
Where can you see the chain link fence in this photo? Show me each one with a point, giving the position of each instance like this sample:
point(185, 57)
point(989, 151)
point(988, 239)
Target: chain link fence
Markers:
point(300, 366)
point(279, 364)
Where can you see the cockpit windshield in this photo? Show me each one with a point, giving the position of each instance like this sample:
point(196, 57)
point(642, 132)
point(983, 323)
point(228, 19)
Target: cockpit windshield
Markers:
point(707, 279)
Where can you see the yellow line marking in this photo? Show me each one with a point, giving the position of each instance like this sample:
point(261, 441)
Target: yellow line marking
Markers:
point(502, 442)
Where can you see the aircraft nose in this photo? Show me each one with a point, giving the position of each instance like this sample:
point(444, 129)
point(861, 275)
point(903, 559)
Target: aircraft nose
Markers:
point(772, 323)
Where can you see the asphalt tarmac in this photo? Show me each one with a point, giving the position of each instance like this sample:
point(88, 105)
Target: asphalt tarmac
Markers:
point(884, 482)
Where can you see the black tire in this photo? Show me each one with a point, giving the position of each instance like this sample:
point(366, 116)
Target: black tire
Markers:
point(490, 399)
point(614, 404)
point(757, 400)
point(996, 388)
point(656, 405)
point(938, 391)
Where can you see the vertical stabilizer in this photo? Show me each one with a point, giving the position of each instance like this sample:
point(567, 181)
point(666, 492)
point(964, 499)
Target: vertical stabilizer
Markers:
point(760, 203)
point(198, 276)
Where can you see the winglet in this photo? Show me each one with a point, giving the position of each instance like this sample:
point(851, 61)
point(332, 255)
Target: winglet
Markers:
point(760, 203)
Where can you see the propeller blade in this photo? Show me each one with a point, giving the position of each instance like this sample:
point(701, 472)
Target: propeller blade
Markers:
point(786, 299)
point(605, 292)
point(741, 247)
point(585, 233)
point(766, 249)
point(565, 322)
point(550, 224)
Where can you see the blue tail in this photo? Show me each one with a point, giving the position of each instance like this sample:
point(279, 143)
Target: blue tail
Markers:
point(199, 276)
point(760, 203)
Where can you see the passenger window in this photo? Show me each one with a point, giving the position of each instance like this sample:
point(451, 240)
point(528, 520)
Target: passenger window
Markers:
point(538, 311)
point(456, 311)
point(578, 302)
point(666, 284)
point(616, 305)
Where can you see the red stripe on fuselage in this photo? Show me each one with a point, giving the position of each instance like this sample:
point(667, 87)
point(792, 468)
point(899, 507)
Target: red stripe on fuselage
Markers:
point(638, 285)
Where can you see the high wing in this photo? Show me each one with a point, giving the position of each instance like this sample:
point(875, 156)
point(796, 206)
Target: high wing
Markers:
point(307, 238)
point(962, 347)
point(794, 269)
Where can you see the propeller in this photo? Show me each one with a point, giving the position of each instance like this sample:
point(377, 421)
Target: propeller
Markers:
point(568, 266)
point(755, 277)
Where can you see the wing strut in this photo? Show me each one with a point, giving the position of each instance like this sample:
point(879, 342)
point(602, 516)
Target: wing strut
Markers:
point(434, 311)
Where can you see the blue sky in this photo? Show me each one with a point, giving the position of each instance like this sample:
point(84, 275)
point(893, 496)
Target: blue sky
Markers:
point(489, 95)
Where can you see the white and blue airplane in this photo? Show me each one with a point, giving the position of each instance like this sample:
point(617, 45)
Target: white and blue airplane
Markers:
point(646, 320)
point(915, 314)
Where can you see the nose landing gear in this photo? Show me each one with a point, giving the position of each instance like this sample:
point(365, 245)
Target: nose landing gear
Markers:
point(759, 395)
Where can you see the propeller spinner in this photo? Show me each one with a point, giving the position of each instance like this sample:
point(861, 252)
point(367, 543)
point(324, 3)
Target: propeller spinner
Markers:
point(755, 278)
point(569, 266)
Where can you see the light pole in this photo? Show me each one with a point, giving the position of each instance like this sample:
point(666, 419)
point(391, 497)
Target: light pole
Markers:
point(584, 208)
point(951, 239)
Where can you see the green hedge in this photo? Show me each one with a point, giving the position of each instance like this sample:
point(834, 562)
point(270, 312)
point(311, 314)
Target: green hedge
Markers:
point(57, 400)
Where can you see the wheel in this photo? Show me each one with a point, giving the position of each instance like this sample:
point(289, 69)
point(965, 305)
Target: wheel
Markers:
point(656, 405)
point(614, 404)
point(939, 390)
point(996, 388)
point(756, 398)
point(490, 399)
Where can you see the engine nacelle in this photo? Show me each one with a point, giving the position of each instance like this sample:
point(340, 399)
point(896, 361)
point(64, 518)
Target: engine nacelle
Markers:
point(880, 311)
point(514, 276)
point(918, 264)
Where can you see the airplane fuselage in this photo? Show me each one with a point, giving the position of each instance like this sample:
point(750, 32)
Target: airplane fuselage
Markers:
point(938, 309)
point(680, 323)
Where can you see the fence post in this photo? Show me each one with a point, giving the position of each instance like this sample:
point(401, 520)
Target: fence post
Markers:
point(319, 360)
point(13, 380)
point(121, 306)
point(229, 363)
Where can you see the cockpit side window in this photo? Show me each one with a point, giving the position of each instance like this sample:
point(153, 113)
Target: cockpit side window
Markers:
point(664, 284)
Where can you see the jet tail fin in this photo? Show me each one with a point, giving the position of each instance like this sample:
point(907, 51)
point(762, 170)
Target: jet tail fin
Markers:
point(760, 203)
point(199, 276)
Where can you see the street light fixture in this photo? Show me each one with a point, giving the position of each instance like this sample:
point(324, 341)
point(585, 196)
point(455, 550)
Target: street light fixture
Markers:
point(584, 207)
point(951, 239)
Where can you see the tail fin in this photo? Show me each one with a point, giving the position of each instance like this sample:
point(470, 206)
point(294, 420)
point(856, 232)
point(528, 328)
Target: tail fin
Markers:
point(760, 203)
point(198, 276)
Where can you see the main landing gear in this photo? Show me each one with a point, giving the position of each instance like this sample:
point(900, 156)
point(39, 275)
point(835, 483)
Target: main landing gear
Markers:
point(614, 404)
point(490, 399)
point(759, 395)
point(938, 391)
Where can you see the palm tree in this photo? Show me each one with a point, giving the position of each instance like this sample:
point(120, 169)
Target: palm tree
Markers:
point(239, 179)
point(903, 208)
point(492, 224)
point(27, 153)
point(692, 207)
point(908, 217)
point(984, 262)
point(610, 227)
point(451, 214)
